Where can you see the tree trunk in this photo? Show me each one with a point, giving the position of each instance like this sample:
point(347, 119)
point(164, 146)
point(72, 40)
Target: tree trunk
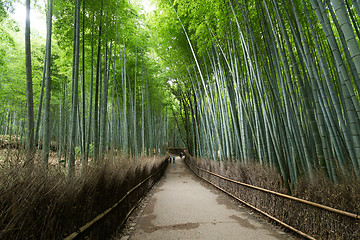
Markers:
point(75, 97)
point(97, 80)
point(103, 108)
point(46, 139)
point(91, 91)
point(29, 90)
point(83, 149)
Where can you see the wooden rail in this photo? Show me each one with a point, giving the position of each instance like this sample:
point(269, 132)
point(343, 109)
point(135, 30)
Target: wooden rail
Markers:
point(330, 209)
point(344, 213)
point(103, 214)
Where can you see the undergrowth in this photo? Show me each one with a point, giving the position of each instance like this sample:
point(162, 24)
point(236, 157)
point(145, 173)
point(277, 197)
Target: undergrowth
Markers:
point(316, 222)
point(39, 205)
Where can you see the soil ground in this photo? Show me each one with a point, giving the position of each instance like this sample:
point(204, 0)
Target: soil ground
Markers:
point(183, 207)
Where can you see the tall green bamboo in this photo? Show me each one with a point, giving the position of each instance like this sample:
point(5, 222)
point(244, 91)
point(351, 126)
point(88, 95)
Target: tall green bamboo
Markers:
point(46, 139)
point(75, 87)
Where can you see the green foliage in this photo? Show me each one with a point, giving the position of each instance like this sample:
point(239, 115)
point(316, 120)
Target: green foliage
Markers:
point(268, 81)
point(5, 8)
point(12, 66)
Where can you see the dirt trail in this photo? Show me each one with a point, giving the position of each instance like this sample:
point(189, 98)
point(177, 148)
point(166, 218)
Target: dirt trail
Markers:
point(183, 207)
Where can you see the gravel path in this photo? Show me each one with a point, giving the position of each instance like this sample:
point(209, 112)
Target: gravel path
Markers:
point(184, 207)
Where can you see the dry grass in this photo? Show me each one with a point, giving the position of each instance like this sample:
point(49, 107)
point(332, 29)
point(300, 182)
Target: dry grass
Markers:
point(318, 223)
point(36, 205)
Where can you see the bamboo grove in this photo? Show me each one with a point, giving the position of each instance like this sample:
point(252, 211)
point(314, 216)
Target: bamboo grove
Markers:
point(268, 81)
point(92, 88)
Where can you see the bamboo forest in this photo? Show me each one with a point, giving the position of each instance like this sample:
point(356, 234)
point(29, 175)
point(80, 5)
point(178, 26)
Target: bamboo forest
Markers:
point(103, 100)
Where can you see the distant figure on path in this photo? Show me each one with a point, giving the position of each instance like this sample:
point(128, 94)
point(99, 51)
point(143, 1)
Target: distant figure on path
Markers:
point(173, 159)
point(181, 154)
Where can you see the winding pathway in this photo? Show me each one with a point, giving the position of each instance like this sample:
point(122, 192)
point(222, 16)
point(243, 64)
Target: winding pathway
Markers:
point(184, 207)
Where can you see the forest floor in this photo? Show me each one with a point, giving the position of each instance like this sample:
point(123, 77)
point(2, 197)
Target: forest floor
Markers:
point(183, 207)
